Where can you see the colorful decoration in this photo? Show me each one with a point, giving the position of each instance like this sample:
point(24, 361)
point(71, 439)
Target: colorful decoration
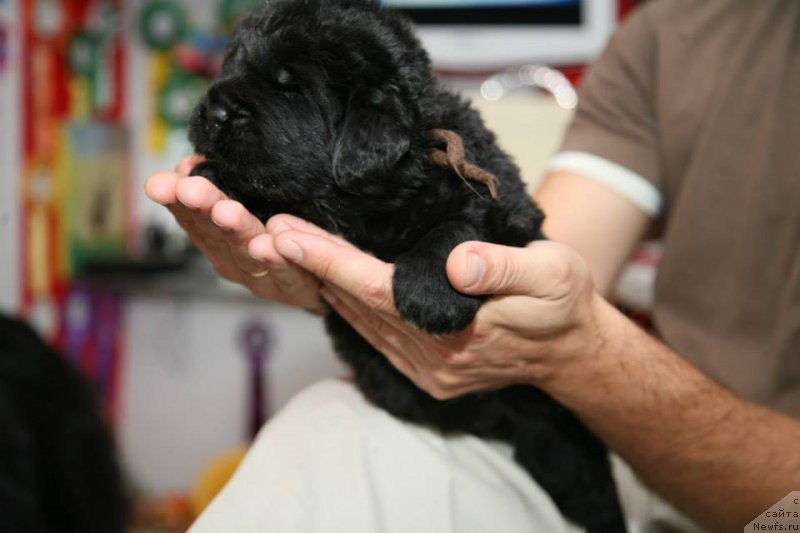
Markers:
point(201, 54)
point(74, 171)
point(93, 340)
point(74, 166)
point(77, 322)
point(49, 20)
point(74, 176)
point(83, 53)
point(96, 204)
point(182, 61)
point(162, 24)
point(230, 11)
point(178, 98)
point(95, 58)
point(72, 83)
point(4, 45)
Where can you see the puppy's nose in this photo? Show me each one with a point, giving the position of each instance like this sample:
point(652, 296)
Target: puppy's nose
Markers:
point(217, 114)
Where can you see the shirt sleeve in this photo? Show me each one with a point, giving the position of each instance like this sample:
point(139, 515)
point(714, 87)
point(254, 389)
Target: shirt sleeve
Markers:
point(613, 137)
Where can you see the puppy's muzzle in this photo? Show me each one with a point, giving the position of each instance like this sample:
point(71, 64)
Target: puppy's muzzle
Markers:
point(221, 109)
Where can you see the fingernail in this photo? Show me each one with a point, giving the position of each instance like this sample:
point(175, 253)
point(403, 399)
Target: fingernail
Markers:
point(289, 249)
point(476, 268)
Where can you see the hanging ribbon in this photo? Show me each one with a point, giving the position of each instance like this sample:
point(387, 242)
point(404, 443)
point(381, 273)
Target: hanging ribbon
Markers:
point(178, 98)
point(255, 342)
point(162, 25)
point(230, 11)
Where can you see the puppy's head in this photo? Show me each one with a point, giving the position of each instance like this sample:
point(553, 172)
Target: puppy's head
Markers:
point(314, 96)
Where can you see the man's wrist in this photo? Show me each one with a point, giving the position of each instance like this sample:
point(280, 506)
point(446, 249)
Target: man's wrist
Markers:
point(592, 363)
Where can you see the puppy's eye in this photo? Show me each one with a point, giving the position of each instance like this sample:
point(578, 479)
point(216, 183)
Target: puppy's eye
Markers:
point(284, 78)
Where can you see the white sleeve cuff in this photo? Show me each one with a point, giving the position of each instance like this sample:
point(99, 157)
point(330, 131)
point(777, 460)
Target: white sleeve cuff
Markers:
point(629, 184)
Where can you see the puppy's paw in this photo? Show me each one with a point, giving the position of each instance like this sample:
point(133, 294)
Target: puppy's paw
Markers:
point(425, 298)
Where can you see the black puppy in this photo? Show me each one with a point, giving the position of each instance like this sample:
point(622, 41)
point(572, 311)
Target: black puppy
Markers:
point(328, 110)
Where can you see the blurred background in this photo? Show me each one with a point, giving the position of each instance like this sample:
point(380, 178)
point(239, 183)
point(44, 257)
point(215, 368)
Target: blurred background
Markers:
point(94, 97)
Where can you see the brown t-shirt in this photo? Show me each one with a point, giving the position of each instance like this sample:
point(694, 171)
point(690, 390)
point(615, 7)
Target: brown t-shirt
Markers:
point(702, 99)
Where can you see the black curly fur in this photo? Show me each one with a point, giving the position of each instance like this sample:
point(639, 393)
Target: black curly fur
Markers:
point(328, 112)
point(58, 469)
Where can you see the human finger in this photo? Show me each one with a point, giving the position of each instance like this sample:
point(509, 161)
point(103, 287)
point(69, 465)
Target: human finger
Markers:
point(284, 222)
point(367, 278)
point(287, 273)
point(420, 357)
point(239, 227)
point(185, 165)
point(399, 333)
point(196, 197)
point(544, 269)
point(161, 187)
point(380, 334)
point(199, 196)
point(265, 272)
point(289, 279)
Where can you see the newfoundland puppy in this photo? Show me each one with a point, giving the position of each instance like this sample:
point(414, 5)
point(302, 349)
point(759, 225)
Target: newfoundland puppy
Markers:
point(328, 110)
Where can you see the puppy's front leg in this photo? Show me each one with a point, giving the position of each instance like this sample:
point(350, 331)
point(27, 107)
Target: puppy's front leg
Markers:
point(422, 293)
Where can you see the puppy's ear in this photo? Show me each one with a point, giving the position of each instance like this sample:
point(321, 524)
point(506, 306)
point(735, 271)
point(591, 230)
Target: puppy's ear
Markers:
point(371, 141)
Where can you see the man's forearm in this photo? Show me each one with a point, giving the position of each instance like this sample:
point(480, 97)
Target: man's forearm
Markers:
point(719, 459)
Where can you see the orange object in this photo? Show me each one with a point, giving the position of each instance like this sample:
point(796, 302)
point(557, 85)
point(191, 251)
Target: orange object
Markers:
point(213, 477)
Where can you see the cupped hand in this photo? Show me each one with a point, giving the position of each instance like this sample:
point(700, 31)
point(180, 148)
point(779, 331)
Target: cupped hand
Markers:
point(540, 320)
point(223, 230)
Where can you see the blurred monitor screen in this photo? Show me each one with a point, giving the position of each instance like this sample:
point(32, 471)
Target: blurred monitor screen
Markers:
point(537, 12)
point(487, 34)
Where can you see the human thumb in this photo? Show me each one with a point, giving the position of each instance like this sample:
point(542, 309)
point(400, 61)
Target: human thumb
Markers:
point(544, 269)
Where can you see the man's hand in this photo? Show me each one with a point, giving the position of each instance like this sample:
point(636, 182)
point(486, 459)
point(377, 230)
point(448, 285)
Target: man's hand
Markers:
point(539, 320)
point(223, 230)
